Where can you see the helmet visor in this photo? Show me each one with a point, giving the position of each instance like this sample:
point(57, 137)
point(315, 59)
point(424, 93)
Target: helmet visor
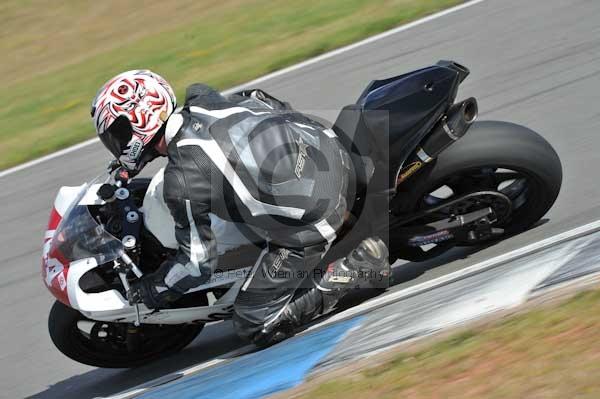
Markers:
point(117, 136)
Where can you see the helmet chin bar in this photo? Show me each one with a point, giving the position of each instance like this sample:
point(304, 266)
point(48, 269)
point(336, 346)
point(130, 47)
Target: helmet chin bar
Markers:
point(149, 152)
point(119, 138)
point(147, 156)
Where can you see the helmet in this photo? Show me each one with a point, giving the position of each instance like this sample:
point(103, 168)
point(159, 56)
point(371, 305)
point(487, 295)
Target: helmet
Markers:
point(129, 111)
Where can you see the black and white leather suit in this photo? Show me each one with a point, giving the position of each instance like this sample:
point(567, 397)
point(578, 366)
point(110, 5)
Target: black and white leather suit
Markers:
point(252, 159)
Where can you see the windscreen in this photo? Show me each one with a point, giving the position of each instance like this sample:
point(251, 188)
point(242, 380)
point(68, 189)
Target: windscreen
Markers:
point(80, 236)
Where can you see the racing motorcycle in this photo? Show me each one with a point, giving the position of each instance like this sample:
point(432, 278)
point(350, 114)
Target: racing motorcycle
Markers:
point(423, 182)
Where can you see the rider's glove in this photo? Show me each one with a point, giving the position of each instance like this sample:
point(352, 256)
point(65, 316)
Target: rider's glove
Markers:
point(152, 291)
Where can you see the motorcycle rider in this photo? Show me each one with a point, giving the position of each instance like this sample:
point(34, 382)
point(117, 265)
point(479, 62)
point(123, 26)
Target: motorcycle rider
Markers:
point(251, 159)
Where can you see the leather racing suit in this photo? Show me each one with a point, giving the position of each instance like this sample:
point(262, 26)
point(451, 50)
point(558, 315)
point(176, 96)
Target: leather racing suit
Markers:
point(251, 159)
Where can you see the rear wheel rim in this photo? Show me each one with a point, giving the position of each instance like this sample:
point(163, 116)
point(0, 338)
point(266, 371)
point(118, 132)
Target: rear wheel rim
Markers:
point(523, 188)
point(512, 183)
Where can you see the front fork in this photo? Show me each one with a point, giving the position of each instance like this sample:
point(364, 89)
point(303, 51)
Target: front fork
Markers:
point(122, 268)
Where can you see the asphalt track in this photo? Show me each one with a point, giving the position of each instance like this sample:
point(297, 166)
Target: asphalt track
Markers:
point(536, 63)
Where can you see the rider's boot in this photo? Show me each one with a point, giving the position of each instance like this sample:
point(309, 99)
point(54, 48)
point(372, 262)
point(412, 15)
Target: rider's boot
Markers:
point(366, 267)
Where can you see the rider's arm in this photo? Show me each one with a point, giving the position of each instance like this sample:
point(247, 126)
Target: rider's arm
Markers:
point(196, 256)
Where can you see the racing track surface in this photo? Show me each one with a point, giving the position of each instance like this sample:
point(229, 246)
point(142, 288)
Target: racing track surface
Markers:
point(536, 63)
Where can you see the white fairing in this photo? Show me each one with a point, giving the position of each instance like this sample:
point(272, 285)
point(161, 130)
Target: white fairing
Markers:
point(158, 220)
point(110, 305)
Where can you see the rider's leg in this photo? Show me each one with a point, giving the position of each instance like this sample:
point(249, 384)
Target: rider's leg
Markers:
point(267, 316)
point(365, 267)
point(269, 288)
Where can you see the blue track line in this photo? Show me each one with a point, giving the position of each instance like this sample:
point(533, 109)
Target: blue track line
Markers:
point(261, 373)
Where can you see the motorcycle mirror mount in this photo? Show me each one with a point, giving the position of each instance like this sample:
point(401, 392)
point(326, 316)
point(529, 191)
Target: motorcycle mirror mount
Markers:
point(121, 177)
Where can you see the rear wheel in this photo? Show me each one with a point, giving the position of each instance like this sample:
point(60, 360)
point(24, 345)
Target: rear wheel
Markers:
point(492, 157)
point(114, 345)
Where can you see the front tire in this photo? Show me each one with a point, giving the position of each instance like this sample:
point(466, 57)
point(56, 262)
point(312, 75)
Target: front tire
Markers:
point(105, 344)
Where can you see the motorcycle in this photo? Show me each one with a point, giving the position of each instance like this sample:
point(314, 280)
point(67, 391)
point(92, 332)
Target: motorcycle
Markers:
point(423, 182)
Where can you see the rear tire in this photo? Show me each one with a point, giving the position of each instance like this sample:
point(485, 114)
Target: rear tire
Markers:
point(79, 346)
point(493, 144)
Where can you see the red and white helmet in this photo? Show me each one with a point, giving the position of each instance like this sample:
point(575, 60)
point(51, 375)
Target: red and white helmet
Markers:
point(128, 112)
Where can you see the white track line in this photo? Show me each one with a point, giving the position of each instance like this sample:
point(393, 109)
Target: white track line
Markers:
point(461, 274)
point(133, 392)
point(352, 46)
point(48, 157)
point(267, 77)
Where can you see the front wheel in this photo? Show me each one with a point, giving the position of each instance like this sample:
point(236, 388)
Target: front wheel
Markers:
point(493, 156)
point(114, 345)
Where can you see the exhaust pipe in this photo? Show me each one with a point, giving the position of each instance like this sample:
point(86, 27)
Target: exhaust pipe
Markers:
point(451, 127)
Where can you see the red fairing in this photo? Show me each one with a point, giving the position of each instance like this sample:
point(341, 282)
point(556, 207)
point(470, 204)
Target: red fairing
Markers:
point(55, 219)
point(54, 266)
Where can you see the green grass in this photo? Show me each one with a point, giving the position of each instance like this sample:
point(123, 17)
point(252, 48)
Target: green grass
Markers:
point(547, 353)
point(45, 107)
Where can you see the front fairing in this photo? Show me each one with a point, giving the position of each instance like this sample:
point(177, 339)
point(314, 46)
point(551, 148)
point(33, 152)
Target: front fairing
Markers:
point(76, 243)
point(80, 236)
point(74, 235)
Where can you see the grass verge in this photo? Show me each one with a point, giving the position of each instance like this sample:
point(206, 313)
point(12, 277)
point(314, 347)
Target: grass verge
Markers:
point(57, 57)
point(544, 353)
